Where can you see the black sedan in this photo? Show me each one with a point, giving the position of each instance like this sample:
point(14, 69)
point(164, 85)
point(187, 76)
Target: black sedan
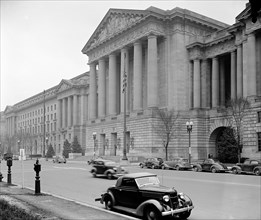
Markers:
point(107, 168)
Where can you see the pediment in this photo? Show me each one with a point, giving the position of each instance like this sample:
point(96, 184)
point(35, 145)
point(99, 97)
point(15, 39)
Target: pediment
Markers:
point(114, 22)
point(64, 85)
point(244, 14)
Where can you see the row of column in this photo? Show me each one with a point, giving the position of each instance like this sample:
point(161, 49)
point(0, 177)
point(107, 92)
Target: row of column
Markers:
point(10, 126)
point(72, 110)
point(113, 90)
point(242, 72)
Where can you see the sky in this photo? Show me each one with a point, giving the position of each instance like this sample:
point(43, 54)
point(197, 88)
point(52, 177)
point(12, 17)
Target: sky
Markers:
point(41, 41)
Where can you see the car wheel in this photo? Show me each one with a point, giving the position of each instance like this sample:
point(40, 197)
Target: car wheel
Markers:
point(177, 168)
point(234, 170)
point(213, 170)
point(257, 172)
point(153, 167)
point(109, 175)
point(184, 215)
point(93, 173)
point(141, 166)
point(195, 169)
point(151, 213)
point(163, 167)
point(108, 203)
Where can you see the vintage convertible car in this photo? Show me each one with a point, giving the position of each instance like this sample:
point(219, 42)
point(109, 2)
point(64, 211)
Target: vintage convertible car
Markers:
point(177, 164)
point(142, 195)
point(107, 168)
point(212, 165)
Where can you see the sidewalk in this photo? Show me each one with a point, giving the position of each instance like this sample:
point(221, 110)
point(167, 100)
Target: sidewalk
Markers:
point(50, 207)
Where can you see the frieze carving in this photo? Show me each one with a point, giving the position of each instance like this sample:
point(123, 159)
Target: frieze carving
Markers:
point(221, 48)
point(130, 37)
point(115, 23)
point(64, 87)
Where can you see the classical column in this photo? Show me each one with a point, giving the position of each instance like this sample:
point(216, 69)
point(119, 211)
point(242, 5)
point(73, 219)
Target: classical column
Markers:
point(191, 88)
point(222, 83)
point(137, 76)
point(233, 74)
point(252, 64)
point(215, 82)
point(75, 110)
point(93, 91)
point(69, 111)
point(59, 114)
point(64, 113)
point(152, 71)
point(83, 98)
point(245, 67)
point(196, 72)
point(239, 72)
point(102, 88)
point(124, 70)
point(112, 84)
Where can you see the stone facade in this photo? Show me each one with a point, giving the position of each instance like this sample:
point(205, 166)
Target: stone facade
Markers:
point(174, 59)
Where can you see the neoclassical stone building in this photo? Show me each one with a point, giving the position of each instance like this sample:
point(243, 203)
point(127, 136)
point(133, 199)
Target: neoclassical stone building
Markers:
point(174, 59)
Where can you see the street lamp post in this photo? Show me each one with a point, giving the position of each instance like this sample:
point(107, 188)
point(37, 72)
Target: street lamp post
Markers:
point(46, 139)
point(189, 125)
point(94, 140)
point(18, 143)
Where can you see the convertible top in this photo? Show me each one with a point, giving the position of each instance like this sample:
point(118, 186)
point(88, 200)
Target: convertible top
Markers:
point(138, 175)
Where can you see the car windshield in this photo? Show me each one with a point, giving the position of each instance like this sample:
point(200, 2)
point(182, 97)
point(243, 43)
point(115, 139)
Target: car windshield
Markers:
point(149, 180)
point(184, 160)
point(110, 163)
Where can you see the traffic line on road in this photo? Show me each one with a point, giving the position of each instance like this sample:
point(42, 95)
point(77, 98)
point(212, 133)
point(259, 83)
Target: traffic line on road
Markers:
point(213, 181)
point(70, 168)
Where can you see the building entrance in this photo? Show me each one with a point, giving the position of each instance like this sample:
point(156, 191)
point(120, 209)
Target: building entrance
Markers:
point(222, 145)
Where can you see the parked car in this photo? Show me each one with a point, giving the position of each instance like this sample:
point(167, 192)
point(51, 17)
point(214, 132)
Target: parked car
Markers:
point(153, 163)
point(59, 159)
point(142, 194)
point(107, 168)
point(248, 166)
point(211, 164)
point(177, 164)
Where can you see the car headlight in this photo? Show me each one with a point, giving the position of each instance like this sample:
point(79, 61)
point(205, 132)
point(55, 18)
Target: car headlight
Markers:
point(166, 198)
point(182, 196)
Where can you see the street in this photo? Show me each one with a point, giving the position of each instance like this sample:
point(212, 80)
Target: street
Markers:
point(215, 196)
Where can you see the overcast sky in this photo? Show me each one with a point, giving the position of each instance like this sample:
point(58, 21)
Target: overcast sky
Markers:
point(41, 41)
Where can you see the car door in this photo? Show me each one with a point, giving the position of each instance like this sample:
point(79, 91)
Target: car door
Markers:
point(128, 193)
point(246, 166)
point(206, 165)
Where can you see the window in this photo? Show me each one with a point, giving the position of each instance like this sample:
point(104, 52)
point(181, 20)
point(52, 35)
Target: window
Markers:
point(259, 141)
point(259, 117)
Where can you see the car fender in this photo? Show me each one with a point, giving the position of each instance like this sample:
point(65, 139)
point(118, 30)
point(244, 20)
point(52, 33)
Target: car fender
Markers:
point(198, 166)
point(218, 167)
point(109, 171)
point(239, 169)
point(93, 170)
point(257, 168)
point(106, 195)
point(142, 206)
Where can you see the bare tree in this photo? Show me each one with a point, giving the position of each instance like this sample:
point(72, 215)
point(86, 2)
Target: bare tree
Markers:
point(236, 112)
point(166, 126)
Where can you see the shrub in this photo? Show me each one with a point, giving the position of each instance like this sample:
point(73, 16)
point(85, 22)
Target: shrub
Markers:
point(12, 212)
point(76, 147)
point(66, 148)
point(50, 153)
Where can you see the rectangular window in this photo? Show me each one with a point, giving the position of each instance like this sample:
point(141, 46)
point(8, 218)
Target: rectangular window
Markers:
point(259, 141)
point(259, 117)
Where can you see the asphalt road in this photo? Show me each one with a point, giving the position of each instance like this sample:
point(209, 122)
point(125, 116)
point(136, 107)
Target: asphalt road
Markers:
point(215, 196)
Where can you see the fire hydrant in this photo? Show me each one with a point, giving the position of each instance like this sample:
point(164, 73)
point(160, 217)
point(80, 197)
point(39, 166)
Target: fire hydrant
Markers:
point(37, 169)
point(9, 163)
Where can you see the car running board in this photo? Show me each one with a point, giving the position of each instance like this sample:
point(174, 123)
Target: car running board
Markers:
point(125, 209)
